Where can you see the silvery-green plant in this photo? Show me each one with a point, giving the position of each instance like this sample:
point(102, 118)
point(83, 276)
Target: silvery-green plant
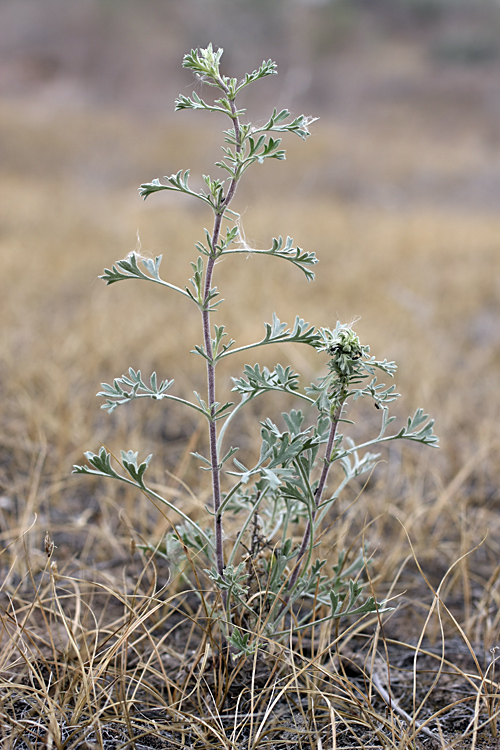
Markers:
point(268, 576)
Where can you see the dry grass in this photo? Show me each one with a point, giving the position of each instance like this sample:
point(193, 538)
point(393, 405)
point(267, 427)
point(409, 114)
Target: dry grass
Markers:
point(98, 647)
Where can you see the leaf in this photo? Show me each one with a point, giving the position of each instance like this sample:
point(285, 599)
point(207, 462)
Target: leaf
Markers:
point(299, 126)
point(128, 268)
point(100, 462)
point(177, 182)
point(425, 434)
point(240, 643)
point(294, 421)
point(195, 102)
point(286, 251)
point(129, 463)
point(301, 333)
point(255, 380)
point(266, 69)
point(203, 61)
point(117, 394)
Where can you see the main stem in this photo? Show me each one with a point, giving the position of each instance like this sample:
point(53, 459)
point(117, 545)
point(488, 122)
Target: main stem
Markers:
point(212, 425)
point(214, 454)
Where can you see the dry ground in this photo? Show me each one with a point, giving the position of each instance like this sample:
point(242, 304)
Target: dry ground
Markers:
point(95, 649)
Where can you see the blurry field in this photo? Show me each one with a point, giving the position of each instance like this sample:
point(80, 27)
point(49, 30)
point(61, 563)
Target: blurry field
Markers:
point(424, 282)
point(398, 198)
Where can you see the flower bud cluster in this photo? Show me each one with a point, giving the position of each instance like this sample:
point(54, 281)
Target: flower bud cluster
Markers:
point(344, 348)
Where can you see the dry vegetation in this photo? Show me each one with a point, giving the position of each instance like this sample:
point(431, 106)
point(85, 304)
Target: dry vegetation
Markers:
point(99, 647)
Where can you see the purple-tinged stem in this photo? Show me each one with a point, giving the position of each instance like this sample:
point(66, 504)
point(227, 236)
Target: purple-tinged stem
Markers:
point(214, 457)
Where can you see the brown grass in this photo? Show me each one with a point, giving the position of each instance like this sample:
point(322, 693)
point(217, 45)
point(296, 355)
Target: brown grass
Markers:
point(97, 645)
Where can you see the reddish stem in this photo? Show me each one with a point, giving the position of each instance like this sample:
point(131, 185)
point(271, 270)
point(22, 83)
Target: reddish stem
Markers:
point(214, 457)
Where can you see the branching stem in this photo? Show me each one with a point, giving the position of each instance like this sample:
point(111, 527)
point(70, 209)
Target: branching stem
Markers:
point(307, 538)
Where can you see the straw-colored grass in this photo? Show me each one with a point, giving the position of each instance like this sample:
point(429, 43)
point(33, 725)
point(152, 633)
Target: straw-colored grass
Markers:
point(99, 648)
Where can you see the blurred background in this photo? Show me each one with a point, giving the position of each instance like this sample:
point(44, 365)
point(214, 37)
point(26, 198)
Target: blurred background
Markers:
point(397, 192)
